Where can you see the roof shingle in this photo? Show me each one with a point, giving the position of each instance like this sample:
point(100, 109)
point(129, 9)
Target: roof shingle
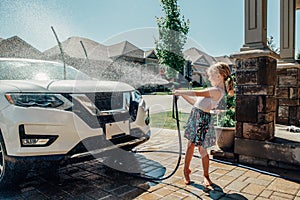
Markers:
point(16, 47)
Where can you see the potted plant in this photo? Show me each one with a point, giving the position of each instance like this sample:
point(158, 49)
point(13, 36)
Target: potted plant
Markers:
point(225, 122)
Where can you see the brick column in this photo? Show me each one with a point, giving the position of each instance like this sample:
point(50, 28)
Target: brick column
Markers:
point(255, 94)
point(255, 101)
point(288, 94)
point(288, 72)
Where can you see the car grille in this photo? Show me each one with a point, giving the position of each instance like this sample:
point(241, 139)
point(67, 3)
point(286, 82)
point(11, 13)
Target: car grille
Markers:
point(105, 101)
point(109, 107)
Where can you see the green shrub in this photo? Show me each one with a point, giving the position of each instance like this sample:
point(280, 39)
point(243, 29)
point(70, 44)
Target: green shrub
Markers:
point(227, 118)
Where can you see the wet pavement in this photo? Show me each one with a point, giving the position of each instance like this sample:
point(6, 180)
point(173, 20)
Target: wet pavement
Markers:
point(99, 179)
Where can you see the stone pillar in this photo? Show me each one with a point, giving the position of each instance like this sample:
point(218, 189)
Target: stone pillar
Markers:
point(256, 85)
point(255, 102)
point(255, 94)
point(256, 77)
point(288, 94)
point(288, 72)
point(287, 30)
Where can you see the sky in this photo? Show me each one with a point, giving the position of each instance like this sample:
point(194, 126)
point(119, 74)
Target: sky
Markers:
point(216, 26)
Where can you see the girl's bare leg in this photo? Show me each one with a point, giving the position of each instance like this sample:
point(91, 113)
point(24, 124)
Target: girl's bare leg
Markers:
point(187, 161)
point(205, 165)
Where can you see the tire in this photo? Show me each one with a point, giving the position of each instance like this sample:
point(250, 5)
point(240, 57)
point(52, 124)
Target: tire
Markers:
point(11, 172)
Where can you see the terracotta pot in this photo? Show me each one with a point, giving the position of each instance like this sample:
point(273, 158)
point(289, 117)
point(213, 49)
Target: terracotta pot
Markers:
point(225, 137)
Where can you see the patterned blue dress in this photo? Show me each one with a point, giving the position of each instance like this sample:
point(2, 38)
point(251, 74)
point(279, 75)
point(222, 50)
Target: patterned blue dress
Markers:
point(199, 129)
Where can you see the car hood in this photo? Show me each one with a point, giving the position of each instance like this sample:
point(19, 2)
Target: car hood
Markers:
point(64, 86)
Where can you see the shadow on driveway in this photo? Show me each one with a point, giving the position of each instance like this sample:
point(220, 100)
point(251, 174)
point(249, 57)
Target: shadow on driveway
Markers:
point(88, 180)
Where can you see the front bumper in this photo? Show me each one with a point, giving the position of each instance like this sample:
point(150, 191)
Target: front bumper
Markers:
point(90, 148)
point(70, 132)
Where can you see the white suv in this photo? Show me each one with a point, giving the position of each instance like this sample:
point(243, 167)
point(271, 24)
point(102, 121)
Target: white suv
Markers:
point(54, 113)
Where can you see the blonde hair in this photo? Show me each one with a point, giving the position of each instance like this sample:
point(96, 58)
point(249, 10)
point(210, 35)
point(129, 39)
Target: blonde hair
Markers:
point(224, 70)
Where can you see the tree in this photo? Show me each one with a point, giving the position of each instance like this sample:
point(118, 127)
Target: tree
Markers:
point(298, 55)
point(172, 37)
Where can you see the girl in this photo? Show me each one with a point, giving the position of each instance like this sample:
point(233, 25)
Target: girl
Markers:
point(197, 131)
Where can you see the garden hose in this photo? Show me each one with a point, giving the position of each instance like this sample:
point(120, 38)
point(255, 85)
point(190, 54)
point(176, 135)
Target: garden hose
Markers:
point(174, 108)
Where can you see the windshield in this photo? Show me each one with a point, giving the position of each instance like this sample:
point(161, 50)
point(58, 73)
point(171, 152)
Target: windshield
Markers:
point(38, 70)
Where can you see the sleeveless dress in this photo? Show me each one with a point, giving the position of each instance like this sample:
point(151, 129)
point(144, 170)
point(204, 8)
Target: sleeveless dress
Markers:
point(199, 129)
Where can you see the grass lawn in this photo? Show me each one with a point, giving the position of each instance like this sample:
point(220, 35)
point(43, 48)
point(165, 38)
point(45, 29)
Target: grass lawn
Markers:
point(165, 120)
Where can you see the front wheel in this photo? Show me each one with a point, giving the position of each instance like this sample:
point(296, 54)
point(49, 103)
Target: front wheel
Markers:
point(11, 172)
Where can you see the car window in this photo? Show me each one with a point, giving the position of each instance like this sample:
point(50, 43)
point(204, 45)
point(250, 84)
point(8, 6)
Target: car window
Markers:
point(28, 70)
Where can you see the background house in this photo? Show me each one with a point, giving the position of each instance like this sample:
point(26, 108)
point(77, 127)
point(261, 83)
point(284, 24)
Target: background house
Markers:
point(122, 61)
point(151, 62)
point(74, 54)
point(200, 61)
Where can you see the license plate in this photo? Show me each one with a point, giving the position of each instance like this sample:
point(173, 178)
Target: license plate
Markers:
point(117, 128)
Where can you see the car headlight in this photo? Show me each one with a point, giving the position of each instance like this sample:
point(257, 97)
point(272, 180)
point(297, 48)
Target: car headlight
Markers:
point(39, 100)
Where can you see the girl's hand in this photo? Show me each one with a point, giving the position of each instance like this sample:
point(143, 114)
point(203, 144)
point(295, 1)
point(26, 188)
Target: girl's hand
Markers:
point(176, 92)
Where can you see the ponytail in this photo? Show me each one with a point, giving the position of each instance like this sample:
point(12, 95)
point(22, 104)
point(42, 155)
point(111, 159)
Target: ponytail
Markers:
point(229, 85)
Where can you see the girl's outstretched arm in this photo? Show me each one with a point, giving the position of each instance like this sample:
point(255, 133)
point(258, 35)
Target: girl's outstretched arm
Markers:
point(213, 93)
point(190, 100)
